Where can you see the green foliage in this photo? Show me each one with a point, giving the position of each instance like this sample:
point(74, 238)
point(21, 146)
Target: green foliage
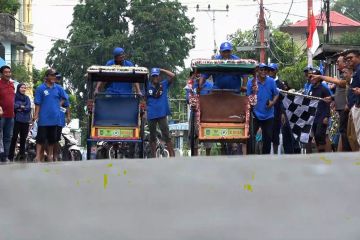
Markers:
point(351, 38)
point(349, 8)
point(9, 6)
point(161, 36)
point(161, 33)
point(244, 38)
point(20, 73)
point(294, 74)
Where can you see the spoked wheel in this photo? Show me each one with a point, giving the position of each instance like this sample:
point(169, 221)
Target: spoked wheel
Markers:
point(162, 153)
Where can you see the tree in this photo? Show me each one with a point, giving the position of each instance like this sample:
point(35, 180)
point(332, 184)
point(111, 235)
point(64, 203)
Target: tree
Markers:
point(162, 36)
point(9, 6)
point(351, 38)
point(161, 33)
point(20, 73)
point(349, 8)
point(244, 38)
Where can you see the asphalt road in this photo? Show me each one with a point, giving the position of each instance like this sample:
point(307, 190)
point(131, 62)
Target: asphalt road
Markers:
point(243, 197)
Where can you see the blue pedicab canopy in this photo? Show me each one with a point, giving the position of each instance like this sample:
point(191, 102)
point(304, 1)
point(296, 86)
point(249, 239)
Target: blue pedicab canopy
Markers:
point(227, 66)
point(117, 74)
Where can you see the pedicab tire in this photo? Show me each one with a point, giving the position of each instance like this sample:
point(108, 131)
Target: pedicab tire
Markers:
point(192, 133)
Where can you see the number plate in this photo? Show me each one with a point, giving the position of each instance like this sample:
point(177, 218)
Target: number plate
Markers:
point(116, 133)
point(223, 132)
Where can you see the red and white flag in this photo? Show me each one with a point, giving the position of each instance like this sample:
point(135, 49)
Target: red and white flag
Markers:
point(313, 41)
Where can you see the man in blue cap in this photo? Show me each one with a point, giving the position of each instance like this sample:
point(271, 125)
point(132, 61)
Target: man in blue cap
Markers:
point(267, 96)
point(225, 81)
point(158, 108)
point(117, 87)
point(280, 120)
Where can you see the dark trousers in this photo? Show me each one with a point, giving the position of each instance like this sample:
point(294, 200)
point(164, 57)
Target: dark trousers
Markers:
point(23, 130)
point(267, 132)
point(344, 117)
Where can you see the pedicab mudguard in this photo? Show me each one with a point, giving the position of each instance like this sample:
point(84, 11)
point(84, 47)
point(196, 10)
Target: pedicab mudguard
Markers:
point(115, 133)
point(224, 115)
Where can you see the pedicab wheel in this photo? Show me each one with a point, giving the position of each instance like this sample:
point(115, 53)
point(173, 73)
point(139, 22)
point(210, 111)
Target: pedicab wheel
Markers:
point(251, 140)
point(142, 136)
point(192, 133)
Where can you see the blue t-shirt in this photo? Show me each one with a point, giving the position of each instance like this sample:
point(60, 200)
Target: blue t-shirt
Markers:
point(158, 107)
point(206, 88)
point(66, 104)
point(226, 81)
point(119, 87)
point(49, 101)
point(266, 92)
point(308, 86)
point(355, 82)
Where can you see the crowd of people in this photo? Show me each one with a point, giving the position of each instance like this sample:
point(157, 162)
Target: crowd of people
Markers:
point(340, 103)
point(51, 106)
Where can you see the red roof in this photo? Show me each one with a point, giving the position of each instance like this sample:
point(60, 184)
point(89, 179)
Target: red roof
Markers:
point(336, 20)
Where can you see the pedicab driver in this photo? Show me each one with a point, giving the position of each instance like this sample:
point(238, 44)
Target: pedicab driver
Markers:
point(223, 80)
point(118, 87)
point(158, 108)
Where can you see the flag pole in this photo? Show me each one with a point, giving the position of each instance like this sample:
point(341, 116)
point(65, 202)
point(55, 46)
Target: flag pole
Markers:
point(310, 12)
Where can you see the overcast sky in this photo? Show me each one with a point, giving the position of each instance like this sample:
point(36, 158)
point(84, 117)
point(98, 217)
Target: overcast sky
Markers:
point(51, 18)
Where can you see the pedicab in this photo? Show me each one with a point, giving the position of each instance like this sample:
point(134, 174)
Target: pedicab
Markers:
point(223, 115)
point(115, 120)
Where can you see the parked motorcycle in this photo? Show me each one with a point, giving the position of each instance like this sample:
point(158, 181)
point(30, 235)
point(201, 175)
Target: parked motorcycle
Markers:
point(70, 151)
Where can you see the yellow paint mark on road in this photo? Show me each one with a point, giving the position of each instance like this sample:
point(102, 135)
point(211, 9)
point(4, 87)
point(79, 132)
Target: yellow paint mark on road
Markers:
point(357, 163)
point(78, 182)
point(248, 187)
point(125, 172)
point(105, 180)
point(253, 176)
point(46, 170)
point(109, 165)
point(326, 160)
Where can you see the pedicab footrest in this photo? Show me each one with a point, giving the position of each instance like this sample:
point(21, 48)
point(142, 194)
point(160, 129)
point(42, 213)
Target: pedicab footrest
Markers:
point(115, 133)
point(223, 131)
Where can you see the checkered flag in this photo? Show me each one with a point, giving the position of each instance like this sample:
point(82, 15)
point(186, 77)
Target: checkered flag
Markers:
point(300, 111)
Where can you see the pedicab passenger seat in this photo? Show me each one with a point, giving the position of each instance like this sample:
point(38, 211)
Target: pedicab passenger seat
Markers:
point(223, 107)
point(115, 110)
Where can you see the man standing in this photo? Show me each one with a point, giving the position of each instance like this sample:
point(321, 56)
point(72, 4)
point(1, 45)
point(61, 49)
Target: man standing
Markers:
point(158, 108)
point(48, 99)
point(7, 101)
point(280, 121)
point(117, 87)
point(222, 80)
point(267, 96)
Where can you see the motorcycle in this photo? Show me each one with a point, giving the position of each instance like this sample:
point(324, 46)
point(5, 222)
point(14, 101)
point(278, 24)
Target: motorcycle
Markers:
point(70, 151)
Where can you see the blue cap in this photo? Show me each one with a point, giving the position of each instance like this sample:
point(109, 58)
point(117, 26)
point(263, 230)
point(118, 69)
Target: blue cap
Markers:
point(273, 66)
point(155, 71)
point(118, 51)
point(225, 46)
point(308, 68)
point(262, 65)
point(317, 71)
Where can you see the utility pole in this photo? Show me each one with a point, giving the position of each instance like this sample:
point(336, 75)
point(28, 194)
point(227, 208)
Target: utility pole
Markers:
point(262, 26)
point(310, 12)
point(213, 11)
point(327, 33)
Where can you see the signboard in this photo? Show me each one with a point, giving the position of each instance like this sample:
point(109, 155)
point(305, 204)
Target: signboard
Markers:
point(115, 132)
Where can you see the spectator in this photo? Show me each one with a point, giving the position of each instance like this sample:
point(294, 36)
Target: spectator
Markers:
point(322, 115)
point(267, 95)
point(280, 120)
point(22, 119)
point(7, 100)
point(340, 98)
point(48, 99)
point(158, 108)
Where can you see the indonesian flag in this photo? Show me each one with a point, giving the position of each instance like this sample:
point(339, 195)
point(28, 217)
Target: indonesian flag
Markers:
point(313, 41)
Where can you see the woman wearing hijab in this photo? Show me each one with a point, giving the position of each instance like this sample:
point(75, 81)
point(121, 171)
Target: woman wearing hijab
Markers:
point(22, 118)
